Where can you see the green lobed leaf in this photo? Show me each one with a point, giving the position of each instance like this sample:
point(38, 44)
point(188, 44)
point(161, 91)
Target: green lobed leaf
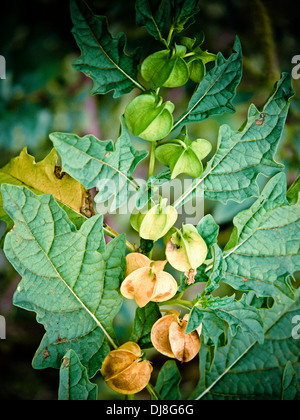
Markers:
point(217, 90)
point(235, 313)
point(74, 384)
point(209, 230)
point(103, 57)
point(168, 381)
point(184, 12)
point(69, 277)
point(290, 384)
point(143, 322)
point(264, 249)
point(242, 155)
point(247, 370)
point(101, 164)
point(153, 14)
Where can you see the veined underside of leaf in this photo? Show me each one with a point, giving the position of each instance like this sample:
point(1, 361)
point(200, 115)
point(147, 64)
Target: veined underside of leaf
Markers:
point(242, 155)
point(217, 90)
point(69, 277)
point(103, 57)
point(246, 370)
point(264, 249)
point(101, 164)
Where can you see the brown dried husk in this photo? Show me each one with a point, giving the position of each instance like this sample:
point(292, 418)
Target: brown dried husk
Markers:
point(184, 346)
point(169, 338)
point(124, 371)
point(160, 334)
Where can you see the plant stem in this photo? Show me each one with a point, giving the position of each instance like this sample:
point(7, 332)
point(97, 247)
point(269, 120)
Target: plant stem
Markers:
point(152, 392)
point(152, 159)
point(108, 231)
point(186, 304)
point(170, 36)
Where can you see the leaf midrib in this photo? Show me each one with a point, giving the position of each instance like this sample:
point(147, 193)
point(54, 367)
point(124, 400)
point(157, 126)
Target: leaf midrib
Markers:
point(98, 323)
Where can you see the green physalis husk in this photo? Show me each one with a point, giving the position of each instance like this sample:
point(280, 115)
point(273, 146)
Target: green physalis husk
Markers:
point(166, 68)
point(186, 250)
point(183, 155)
point(197, 58)
point(148, 117)
point(156, 222)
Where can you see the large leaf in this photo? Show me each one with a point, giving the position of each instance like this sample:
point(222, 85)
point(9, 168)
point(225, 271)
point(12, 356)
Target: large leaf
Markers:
point(74, 384)
point(247, 370)
point(217, 90)
point(264, 250)
point(69, 277)
point(102, 56)
point(242, 155)
point(101, 164)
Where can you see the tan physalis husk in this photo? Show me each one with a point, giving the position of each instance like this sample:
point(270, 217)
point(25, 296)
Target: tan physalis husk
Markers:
point(147, 283)
point(160, 334)
point(169, 338)
point(184, 346)
point(124, 371)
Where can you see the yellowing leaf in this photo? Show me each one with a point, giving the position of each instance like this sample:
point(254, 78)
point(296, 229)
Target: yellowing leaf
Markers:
point(41, 177)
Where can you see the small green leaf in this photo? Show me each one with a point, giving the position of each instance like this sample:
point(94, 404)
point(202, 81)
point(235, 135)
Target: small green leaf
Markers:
point(102, 56)
point(195, 319)
point(74, 384)
point(168, 381)
point(209, 231)
point(290, 385)
point(293, 192)
point(184, 12)
point(144, 319)
point(153, 14)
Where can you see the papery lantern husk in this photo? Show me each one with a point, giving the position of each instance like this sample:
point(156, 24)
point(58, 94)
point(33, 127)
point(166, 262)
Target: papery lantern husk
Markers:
point(123, 370)
point(186, 250)
point(150, 283)
point(169, 338)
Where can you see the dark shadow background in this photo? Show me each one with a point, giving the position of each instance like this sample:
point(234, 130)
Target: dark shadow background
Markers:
point(42, 93)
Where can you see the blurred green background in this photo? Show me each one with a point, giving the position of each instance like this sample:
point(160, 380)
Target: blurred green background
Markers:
point(42, 93)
